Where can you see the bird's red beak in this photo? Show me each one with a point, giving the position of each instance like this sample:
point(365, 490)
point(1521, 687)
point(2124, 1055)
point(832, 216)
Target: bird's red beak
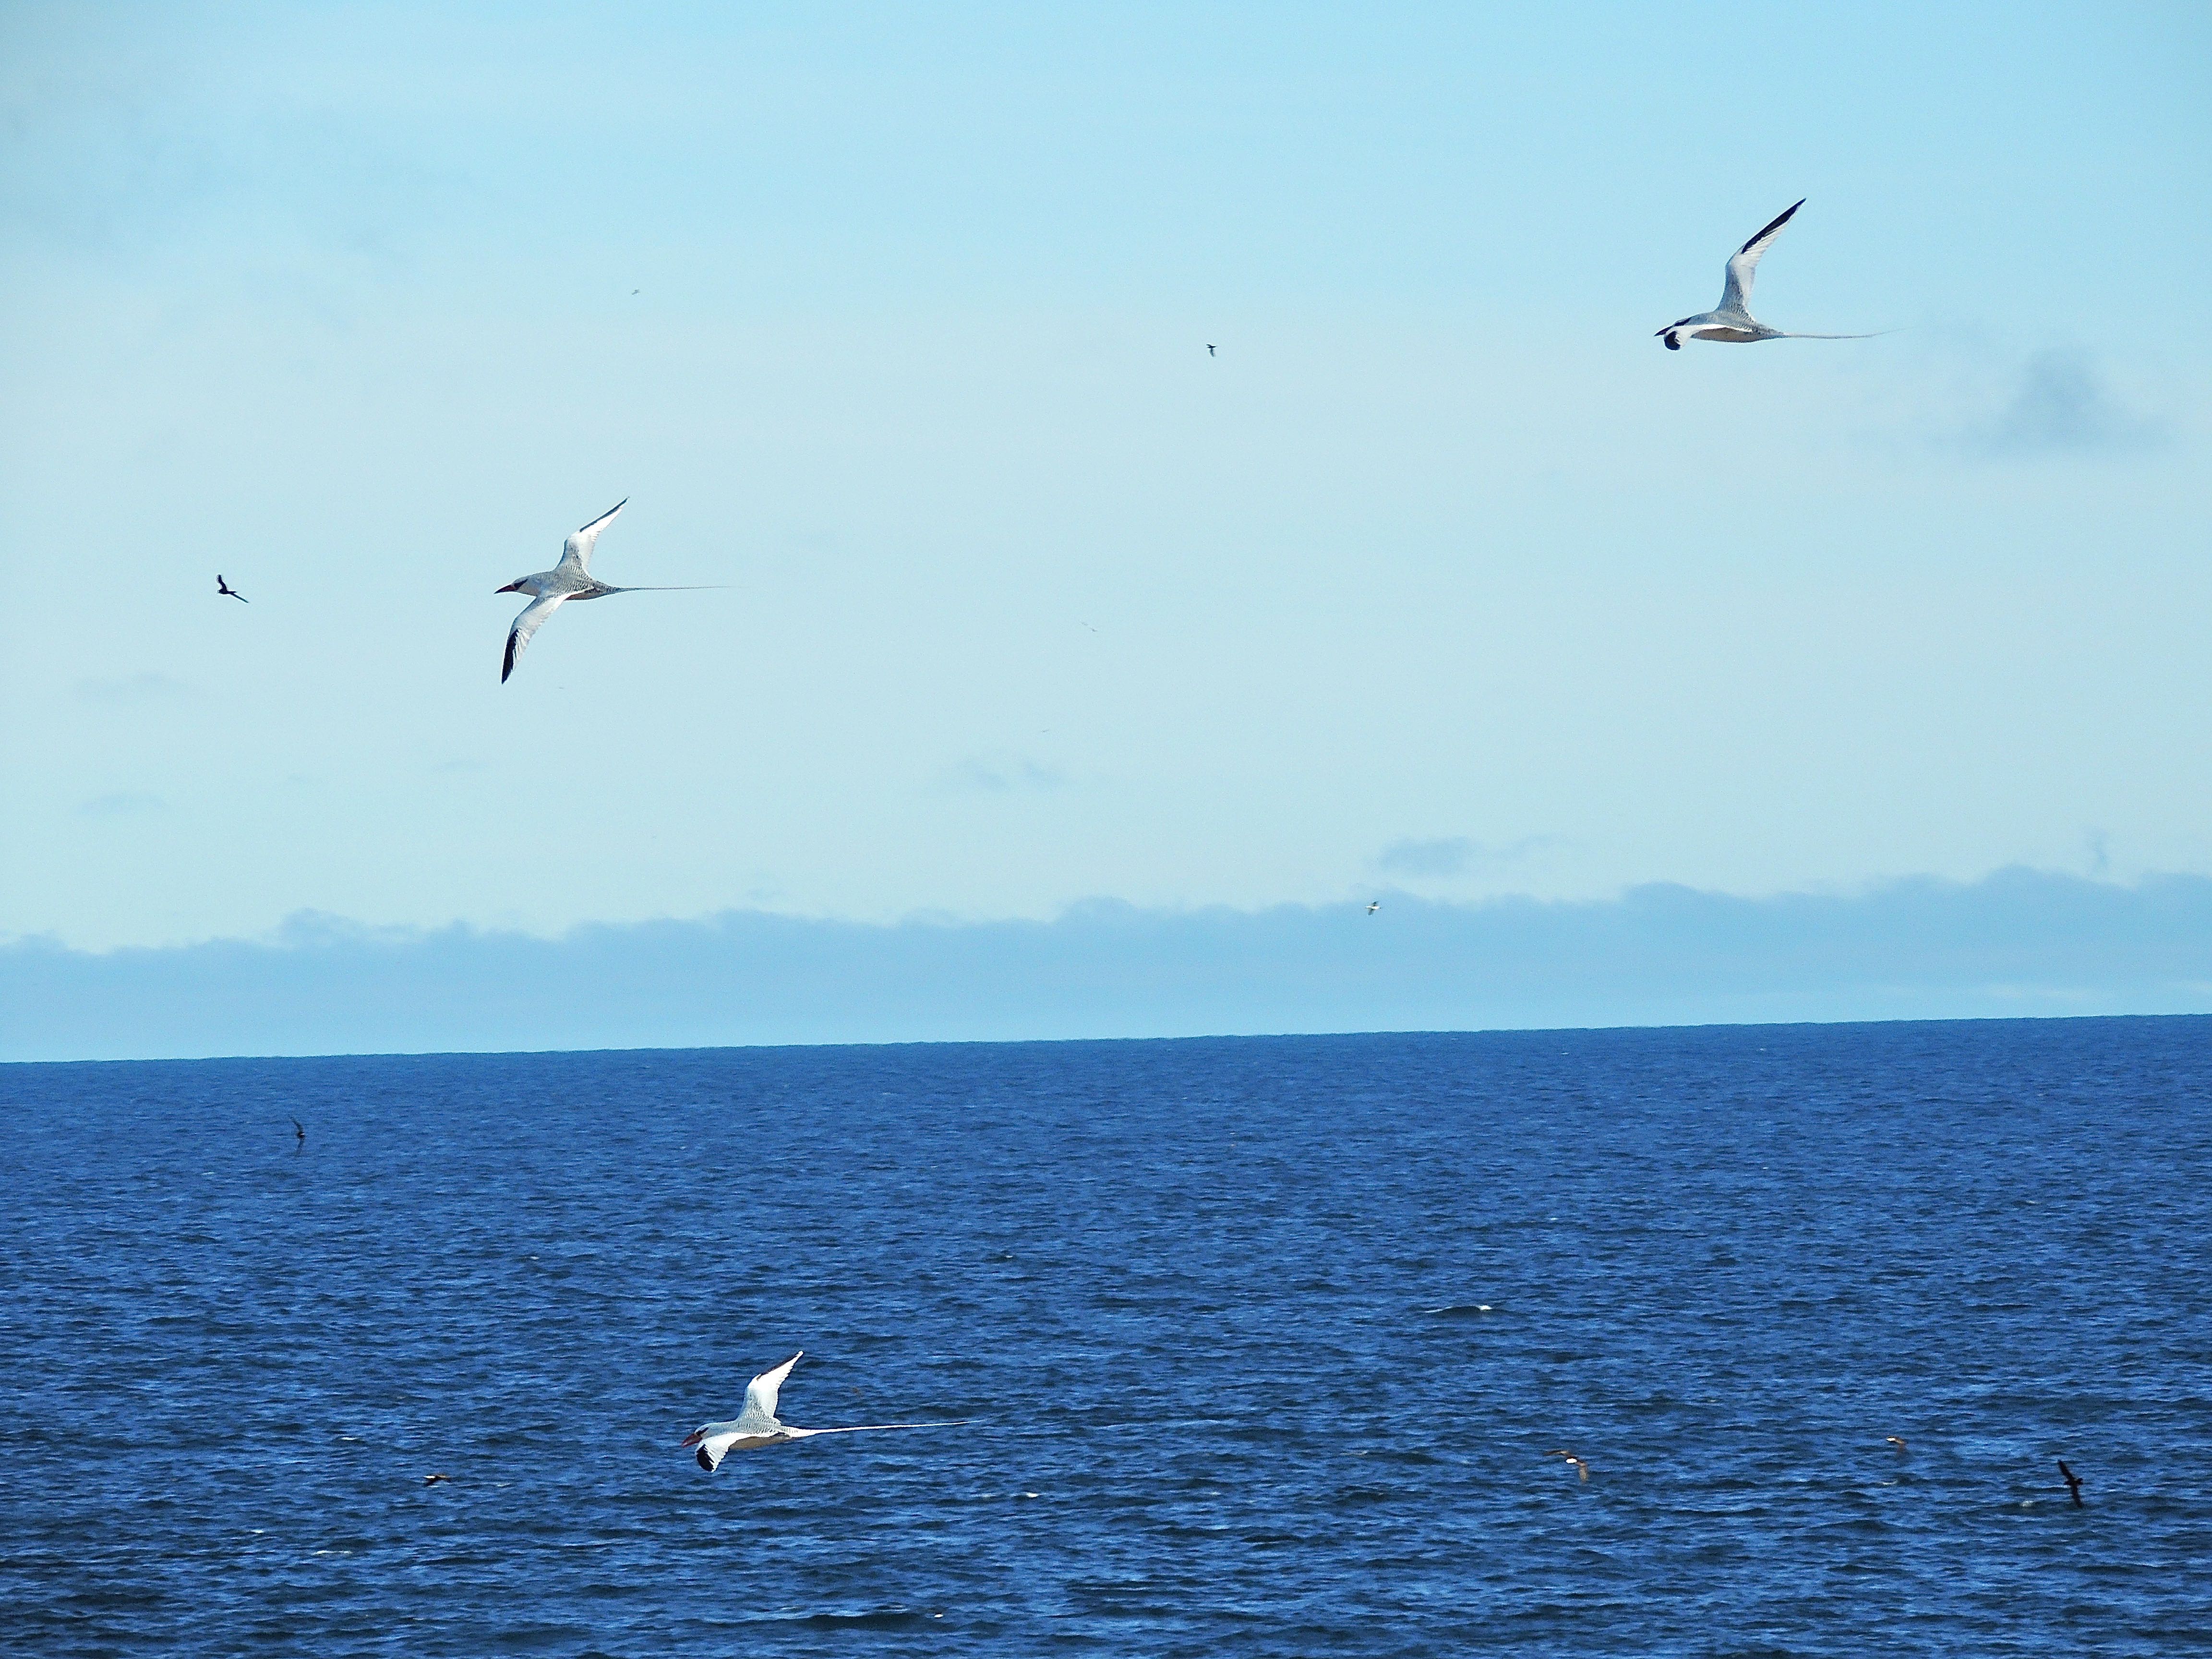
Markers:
point(512, 587)
point(693, 1438)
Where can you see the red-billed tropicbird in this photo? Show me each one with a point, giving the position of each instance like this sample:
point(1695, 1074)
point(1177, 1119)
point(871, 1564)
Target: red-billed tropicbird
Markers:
point(571, 578)
point(1731, 320)
point(757, 1425)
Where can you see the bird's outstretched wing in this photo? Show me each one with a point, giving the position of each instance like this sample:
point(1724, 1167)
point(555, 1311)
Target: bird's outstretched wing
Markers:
point(577, 549)
point(759, 1415)
point(531, 619)
point(1743, 264)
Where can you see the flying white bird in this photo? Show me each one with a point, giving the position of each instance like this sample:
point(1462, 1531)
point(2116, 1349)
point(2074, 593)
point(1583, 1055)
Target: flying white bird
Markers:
point(1731, 319)
point(757, 1425)
point(571, 578)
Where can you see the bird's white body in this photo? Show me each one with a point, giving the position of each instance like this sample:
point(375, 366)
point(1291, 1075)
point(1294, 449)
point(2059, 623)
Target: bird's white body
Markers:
point(1731, 321)
point(757, 1425)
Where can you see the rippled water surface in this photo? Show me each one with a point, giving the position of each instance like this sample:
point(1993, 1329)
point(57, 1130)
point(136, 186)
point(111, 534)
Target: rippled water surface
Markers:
point(1267, 1345)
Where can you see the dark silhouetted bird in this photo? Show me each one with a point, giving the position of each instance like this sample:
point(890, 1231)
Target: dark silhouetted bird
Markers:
point(2073, 1483)
point(226, 591)
point(433, 1480)
point(1209, 352)
point(300, 1130)
point(1581, 1467)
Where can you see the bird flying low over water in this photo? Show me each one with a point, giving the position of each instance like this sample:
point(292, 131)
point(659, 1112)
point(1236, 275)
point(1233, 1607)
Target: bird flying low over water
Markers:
point(2073, 1483)
point(224, 590)
point(571, 578)
point(1895, 1442)
point(433, 1480)
point(1731, 320)
point(757, 1425)
point(299, 1130)
point(1581, 1467)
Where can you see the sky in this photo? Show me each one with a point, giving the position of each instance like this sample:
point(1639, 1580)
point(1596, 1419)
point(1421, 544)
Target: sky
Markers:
point(1441, 578)
point(2016, 945)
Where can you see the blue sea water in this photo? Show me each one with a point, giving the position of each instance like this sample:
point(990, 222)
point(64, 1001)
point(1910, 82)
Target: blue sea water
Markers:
point(1267, 1345)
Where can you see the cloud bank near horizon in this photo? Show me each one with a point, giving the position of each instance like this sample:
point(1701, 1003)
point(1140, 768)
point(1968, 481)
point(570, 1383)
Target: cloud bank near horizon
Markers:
point(2017, 943)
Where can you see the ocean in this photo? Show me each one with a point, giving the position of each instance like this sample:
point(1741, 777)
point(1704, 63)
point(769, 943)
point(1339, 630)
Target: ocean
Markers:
point(1267, 1345)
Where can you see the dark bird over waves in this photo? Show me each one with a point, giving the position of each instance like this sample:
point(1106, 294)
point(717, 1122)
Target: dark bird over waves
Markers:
point(433, 1480)
point(300, 1130)
point(2073, 1483)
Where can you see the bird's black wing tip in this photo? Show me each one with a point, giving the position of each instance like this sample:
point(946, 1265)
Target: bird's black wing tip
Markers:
point(705, 1461)
point(1774, 224)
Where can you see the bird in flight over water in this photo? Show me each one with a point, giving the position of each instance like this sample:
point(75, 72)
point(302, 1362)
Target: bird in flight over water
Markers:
point(2073, 1483)
point(571, 578)
point(757, 1425)
point(1581, 1467)
point(433, 1480)
point(301, 1130)
point(225, 590)
point(1895, 1442)
point(1731, 319)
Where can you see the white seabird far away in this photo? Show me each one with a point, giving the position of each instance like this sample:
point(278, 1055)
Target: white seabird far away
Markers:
point(757, 1425)
point(1731, 320)
point(571, 578)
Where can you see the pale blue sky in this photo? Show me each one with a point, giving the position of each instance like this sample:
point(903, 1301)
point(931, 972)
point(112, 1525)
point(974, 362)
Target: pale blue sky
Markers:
point(1442, 576)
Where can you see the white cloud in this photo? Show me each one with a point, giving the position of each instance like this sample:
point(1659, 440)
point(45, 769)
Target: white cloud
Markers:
point(2062, 403)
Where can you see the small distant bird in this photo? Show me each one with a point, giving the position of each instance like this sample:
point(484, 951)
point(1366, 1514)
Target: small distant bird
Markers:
point(225, 590)
point(635, 292)
point(1209, 352)
point(433, 1480)
point(571, 578)
point(1373, 907)
point(1895, 1442)
point(1731, 320)
point(1581, 1467)
point(757, 1425)
point(2073, 1483)
point(300, 1130)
